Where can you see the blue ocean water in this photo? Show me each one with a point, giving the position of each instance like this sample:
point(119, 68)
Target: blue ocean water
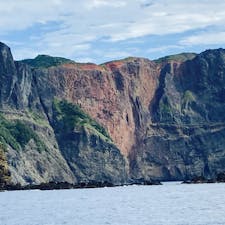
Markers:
point(169, 204)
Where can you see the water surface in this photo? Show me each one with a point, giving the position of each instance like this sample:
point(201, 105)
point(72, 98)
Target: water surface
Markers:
point(168, 204)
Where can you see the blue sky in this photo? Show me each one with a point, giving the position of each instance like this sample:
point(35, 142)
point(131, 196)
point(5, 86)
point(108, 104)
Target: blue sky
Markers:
point(103, 30)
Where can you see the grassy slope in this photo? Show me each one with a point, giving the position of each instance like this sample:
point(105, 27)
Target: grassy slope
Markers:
point(70, 116)
point(45, 61)
point(182, 57)
point(17, 134)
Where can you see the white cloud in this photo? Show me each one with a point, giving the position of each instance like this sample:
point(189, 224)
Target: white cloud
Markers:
point(24, 53)
point(163, 18)
point(205, 38)
point(127, 18)
point(80, 24)
point(115, 54)
point(105, 3)
point(164, 48)
point(19, 15)
point(85, 60)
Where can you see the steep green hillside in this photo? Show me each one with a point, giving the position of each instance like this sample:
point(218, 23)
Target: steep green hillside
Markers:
point(45, 61)
point(182, 57)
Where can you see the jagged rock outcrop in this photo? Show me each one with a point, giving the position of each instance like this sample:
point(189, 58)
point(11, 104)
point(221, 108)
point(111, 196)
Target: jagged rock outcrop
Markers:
point(186, 135)
point(128, 119)
point(42, 143)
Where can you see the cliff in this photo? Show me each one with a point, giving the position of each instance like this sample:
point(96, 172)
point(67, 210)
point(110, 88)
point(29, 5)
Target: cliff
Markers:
point(4, 172)
point(128, 119)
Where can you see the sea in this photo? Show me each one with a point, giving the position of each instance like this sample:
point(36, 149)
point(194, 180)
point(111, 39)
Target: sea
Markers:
point(172, 203)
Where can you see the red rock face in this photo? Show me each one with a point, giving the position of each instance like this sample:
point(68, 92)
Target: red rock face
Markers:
point(166, 117)
point(108, 93)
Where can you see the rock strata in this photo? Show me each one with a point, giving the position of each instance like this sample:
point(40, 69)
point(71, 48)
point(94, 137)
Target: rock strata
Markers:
point(131, 119)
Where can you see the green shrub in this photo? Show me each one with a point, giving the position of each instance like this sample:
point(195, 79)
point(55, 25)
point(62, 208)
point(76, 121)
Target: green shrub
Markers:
point(45, 61)
point(17, 134)
point(164, 105)
point(5, 134)
point(188, 96)
point(37, 117)
point(178, 57)
point(69, 116)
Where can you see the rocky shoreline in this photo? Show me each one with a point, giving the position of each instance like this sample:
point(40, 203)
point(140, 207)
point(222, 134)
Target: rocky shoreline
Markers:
point(66, 185)
point(220, 178)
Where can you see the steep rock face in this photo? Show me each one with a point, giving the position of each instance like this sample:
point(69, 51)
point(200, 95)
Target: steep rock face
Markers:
point(7, 75)
point(43, 155)
point(132, 118)
point(86, 145)
point(114, 94)
point(185, 137)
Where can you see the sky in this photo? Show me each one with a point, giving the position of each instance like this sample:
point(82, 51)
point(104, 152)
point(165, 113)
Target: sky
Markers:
point(103, 30)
